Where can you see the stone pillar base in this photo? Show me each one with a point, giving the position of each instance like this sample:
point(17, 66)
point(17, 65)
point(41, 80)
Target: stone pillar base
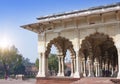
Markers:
point(118, 75)
point(77, 75)
point(72, 75)
point(91, 74)
point(84, 74)
point(60, 74)
point(40, 75)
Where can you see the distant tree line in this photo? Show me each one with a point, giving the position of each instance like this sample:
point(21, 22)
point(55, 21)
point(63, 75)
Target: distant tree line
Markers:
point(12, 62)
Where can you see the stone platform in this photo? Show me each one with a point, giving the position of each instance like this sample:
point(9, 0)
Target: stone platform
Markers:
point(56, 80)
point(86, 80)
point(95, 80)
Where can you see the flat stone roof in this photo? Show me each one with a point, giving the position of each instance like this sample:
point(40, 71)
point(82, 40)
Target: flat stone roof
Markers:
point(79, 11)
point(44, 20)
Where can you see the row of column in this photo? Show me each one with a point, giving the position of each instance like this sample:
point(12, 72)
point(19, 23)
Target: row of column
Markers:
point(43, 65)
point(93, 69)
point(61, 65)
point(86, 67)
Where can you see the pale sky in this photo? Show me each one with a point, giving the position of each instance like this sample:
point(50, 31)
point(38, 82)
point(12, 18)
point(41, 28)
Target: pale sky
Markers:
point(15, 13)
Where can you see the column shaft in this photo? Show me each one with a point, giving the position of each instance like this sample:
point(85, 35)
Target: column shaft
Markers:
point(84, 68)
point(74, 60)
point(72, 66)
point(81, 63)
point(40, 66)
point(77, 71)
point(59, 68)
point(98, 69)
point(43, 65)
point(89, 68)
point(62, 61)
point(118, 76)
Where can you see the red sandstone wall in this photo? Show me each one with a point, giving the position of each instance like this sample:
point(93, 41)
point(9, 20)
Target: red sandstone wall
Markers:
point(56, 80)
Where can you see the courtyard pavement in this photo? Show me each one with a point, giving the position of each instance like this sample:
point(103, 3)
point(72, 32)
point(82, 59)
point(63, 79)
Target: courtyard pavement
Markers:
point(14, 81)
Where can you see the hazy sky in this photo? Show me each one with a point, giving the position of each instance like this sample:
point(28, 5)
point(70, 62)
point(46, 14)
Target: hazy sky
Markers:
point(14, 13)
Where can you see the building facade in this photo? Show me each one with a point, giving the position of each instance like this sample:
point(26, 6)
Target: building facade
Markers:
point(92, 36)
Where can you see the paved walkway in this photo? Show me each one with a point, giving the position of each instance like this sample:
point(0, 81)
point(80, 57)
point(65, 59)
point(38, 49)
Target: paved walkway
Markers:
point(13, 81)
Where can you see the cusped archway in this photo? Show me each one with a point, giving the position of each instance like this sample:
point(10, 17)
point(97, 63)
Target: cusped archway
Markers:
point(99, 49)
point(63, 45)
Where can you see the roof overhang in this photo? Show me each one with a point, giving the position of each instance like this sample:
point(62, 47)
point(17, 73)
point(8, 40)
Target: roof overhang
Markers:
point(42, 21)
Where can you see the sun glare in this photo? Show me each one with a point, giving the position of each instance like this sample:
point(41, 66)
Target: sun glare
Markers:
point(5, 42)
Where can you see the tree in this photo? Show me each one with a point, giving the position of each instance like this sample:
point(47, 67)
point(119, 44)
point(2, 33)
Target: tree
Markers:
point(10, 58)
point(26, 62)
point(53, 62)
point(19, 69)
point(37, 63)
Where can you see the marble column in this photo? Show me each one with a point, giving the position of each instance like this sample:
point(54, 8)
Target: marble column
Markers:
point(89, 67)
point(42, 60)
point(81, 66)
point(43, 65)
point(74, 60)
point(47, 73)
point(118, 76)
point(40, 66)
point(84, 68)
point(62, 62)
point(77, 47)
point(112, 71)
point(59, 66)
point(96, 68)
point(77, 71)
point(72, 67)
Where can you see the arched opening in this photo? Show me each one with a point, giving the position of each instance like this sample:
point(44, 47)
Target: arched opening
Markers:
point(53, 61)
point(67, 61)
point(99, 56)
point(63, 47)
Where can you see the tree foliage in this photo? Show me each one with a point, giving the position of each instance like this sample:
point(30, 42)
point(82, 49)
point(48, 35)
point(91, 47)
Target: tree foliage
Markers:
point(53, 62)
point(11, 60)
point(37, 63)
point(26, 62)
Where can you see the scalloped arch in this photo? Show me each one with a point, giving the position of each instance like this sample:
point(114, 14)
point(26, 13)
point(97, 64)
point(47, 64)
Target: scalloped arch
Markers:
point(62, 44)
point(99, 38)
